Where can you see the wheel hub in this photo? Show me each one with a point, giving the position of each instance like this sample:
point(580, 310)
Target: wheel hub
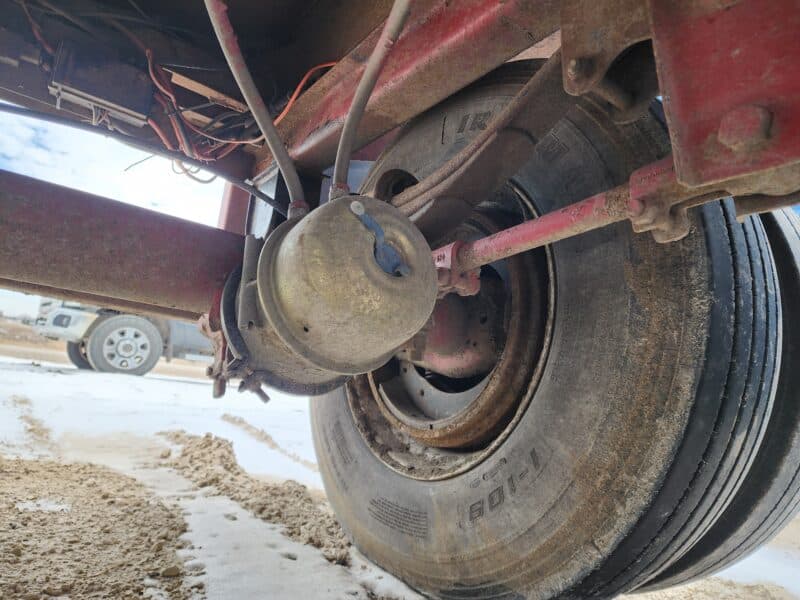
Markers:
point(459, 382)
point(464, 335)
point(126, 348)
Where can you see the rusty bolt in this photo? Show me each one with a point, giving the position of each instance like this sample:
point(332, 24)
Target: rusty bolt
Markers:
point(579, 68)
point(745, 127)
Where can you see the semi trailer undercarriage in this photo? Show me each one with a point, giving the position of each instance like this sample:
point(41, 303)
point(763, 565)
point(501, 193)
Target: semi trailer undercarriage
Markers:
point(551, 336)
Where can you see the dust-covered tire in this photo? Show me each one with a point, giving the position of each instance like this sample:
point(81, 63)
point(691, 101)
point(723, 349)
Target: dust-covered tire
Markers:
point(653, 398)
point(769, 498)
point(124, 344)
point(77, 356)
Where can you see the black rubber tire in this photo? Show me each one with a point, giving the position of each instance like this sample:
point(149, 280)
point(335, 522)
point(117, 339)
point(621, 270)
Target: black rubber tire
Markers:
point(75, 353)
point(100, 334)
point(769, 498)
point(652, 404)
point(730, 444)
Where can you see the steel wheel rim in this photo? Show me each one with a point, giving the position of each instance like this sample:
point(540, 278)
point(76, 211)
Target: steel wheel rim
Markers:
point(376, 422)
point(126, 348)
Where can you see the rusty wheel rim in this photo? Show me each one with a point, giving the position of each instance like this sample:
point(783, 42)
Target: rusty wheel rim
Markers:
point(426, 448)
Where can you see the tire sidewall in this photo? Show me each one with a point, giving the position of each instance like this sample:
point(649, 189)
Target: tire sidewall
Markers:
point(77, 356)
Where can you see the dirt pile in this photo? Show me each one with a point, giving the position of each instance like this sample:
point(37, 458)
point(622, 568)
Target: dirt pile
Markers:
point(209, 461)
point(84, 531)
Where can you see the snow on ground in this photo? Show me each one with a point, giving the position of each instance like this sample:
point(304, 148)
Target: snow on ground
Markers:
point(54, 410)
point(88, 404)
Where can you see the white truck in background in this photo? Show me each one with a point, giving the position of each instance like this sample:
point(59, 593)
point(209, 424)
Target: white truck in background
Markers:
point(112, 342)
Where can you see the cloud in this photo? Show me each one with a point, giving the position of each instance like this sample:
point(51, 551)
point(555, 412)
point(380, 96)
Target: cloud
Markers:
point(95, 164)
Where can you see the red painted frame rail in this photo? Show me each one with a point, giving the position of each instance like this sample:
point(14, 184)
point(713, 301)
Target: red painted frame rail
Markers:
point(103, 252)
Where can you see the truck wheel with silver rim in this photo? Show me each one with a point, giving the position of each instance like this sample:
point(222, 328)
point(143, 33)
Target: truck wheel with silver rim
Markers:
point(124, 344)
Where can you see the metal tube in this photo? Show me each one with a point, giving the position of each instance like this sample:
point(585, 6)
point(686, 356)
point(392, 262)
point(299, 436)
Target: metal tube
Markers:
point(758, 203)
point(143, 146)
point(391, 31)
point(109, 253)
point(218, 13)
point(592, 213)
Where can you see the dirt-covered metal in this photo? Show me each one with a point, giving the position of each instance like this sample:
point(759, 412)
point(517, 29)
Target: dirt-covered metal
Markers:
point(653, 200)
point(446, 46)
point(464, 336)
point(63, 242)
point(451, 400)
point(319, 306)
point(731, 85)
point(594, 34)
point(444, 198)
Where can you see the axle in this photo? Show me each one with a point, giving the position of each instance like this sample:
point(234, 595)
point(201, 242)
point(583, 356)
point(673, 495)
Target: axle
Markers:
point(57, 241)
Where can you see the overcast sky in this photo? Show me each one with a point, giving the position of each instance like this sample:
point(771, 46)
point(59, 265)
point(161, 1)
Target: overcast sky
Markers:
point(96, 164)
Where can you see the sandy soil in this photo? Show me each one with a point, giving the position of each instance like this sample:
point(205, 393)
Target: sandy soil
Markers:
point(719, 589)
point(263, 436)
point(84, 531)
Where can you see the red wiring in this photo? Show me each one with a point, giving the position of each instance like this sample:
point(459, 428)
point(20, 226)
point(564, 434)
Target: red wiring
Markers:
point(278, 119)
point(165, 96)
point(168, 101)
point(158, 77)
point(199, 131)
point(299, 88)
point(172, 121)
point(228, 149)
point(160, 133)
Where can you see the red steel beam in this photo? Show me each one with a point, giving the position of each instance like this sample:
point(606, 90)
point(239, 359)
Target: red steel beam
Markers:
point(444, 46)
point(60, 241)
point(731, 85)
point(647, 200)
point(593, 213)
